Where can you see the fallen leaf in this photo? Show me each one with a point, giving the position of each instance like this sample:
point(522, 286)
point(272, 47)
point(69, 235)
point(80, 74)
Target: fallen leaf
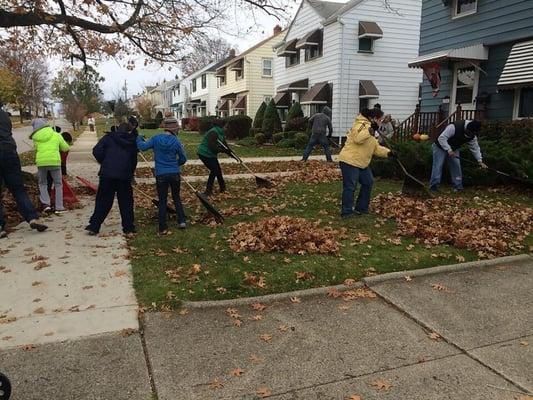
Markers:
point(36, 283)
point(257, 318)
point(216, 384)
point(237, 323)
point(39, 310)
point(221, 290)
point(266, 337)
point(283, 328)
point(127, 332)
point(349, 282)
point(120, 273)
point(381, 384)
point(233, 313)
point(434, 336)
point(524, 343)
point(256, 359)
point(263, 391)
point(183, 311)
point(408, 278)
point(258, 306)
point(28, 347)
point(460, 258)
point(438, 286)
point(87, 287)
point(40, 265)
point(236, 372)
point(295, 299)
point(355, 397)
point(6, 338)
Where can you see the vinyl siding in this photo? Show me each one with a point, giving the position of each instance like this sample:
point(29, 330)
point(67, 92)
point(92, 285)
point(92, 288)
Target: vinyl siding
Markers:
point(343, 66)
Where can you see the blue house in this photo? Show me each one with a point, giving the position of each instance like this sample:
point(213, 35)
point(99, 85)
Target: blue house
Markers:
point(477, 57)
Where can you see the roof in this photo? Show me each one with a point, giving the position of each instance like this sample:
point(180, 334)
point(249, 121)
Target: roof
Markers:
point(345, 7)
point(220, 63)
point(518, 70)
point(477, 52)
point(325, 8)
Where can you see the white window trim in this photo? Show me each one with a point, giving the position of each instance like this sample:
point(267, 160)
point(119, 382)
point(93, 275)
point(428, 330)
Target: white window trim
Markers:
point(471, 106)
point(516, 105)
point(465, 14)
point(263, 67)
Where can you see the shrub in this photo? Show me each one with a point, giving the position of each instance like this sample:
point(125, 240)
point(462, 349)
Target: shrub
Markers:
point(276, 137)
point(159, 118)
point(205, 123)
point(193, 124)
point(237, 126)
point(290, 134)
point(300, 140)
point(258, 119)
point(184, 123)
point(149, 124)
point(260, 138)
point(299, 124)
point(295, 111)
point(254, 131)
point(286, 143)
point(271, 121)
point(247, 141)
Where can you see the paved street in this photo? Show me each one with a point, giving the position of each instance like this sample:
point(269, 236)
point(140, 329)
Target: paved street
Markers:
point(463, 334)
point(22, 134)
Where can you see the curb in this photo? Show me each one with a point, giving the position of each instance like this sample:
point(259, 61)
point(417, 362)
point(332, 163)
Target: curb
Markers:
point(372, 280)
point(269, 298)
point(306, 293)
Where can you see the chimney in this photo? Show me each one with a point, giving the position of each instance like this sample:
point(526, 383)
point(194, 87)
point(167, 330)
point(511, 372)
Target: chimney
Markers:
point(277, 30)
point(232, 53)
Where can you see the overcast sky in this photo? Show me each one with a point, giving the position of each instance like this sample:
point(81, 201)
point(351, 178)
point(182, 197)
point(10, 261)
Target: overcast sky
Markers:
point(115, 75)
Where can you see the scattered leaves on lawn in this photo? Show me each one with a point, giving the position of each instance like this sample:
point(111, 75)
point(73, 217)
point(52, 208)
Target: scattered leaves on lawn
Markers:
point(381, 384)
point(304, 276)
point(254, 280)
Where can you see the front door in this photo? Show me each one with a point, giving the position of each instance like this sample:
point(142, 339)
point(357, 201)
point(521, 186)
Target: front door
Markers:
point(465, 86)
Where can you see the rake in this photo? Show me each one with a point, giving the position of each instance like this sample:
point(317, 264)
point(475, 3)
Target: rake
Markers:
point(5, 387)
point(517, 179)
point(260, 182)
point(219, 218)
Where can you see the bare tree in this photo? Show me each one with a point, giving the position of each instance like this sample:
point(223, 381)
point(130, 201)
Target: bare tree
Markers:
point(161, 30)
point(206, 51)
point(144, 107)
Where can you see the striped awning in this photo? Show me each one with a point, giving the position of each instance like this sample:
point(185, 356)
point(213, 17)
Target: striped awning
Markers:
point(287, 49)
point(282, 100)
point(369, 29)
point(312, 38)
point(224, 105)
point(302, 84)
point(367, 90)
point(320, 93)
point(477, 52)
point(240, 103)
point(518, 70)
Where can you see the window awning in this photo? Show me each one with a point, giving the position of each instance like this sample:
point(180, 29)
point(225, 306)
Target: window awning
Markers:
point(229, 96)
point(240, 103)
point(237, 65)
point(477, 52)
point(224, 105)
point(282, 100)
point(369, 30)
point(220, 73)
point(320, 93)
point(203, 103)
point(195, 101)
point(288, 48)
point(518, 70)
point(312, 38)
point(175, 105)
point(367, 90)
point(302, 84)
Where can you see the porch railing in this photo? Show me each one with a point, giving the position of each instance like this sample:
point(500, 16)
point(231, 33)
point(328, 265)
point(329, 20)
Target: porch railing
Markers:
point(458, 115)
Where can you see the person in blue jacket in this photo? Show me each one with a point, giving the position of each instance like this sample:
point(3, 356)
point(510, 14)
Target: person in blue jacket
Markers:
point(116, 153)
point(169, 156)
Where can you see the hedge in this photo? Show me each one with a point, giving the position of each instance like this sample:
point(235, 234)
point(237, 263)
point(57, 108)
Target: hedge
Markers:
point(205, 123)
point(159, 118)
point(237, 126)
point(299, 124)
point(258, 119)
point(149, 124)
point(271, 121)
point(505, 145)
point(294, 112)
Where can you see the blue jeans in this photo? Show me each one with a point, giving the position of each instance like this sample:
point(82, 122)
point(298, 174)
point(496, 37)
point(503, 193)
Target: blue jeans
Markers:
point(454, 166)
point(215, 171)
point(163, 183)
point(107, 188)
point(350, 177)
point(313, 141)
point(11, 176)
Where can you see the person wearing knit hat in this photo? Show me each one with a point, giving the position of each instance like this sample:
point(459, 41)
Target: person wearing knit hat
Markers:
point(169, 156)
point(48, 145)
point(447, 148)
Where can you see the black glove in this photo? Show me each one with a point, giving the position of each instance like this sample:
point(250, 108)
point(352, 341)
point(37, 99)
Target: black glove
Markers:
point(374, 125)
point(330, 135)
point(392, 155)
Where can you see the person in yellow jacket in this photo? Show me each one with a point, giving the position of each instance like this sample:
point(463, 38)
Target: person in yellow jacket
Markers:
point(354, 159)
point(48, 143)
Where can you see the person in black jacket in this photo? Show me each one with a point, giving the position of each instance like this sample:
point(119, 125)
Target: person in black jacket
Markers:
point(116, 153)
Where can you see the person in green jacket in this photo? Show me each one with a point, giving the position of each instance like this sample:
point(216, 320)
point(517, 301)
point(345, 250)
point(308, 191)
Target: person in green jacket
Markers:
point(48, 143)
point(208, 152)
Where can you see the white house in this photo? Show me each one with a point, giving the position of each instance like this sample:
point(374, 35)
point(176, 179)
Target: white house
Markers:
point(350, 56)
point(180, 98)
point(203, 90)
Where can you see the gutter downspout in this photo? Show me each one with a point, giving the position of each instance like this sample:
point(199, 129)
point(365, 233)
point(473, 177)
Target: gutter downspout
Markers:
point(341, 77)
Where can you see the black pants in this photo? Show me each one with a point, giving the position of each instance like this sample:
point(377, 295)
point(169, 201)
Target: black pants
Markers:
point(163, 183)
point(105, 197)
point(215, 171)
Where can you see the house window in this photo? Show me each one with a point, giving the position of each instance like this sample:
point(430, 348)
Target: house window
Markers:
point(465, 85)
point(464, 7)
point(312, 52)
point(239, 75)
point(282, 112)
point(267, 67)
point(221, 81)
point(193, 83)
point(366, 45)
point(293, 59)
point(178, 88)
point(204, 81)
point(363, 103)
point(523, 103)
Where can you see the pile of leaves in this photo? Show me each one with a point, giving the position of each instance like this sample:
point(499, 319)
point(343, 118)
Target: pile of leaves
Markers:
point(480, 224)
point(285, 234)
point(315, 172)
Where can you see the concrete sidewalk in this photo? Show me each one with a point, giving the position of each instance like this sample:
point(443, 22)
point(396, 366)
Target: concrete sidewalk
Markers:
point(454, 335)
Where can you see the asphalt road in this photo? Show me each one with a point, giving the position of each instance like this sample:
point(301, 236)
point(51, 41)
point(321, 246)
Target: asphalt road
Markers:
point(22, 135)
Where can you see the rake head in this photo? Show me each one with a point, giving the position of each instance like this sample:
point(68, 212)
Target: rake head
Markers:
point(209, 207)
point(262, 182)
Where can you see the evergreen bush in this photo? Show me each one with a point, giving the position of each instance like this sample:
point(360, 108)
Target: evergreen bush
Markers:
point(271, 121)
point(258, 119)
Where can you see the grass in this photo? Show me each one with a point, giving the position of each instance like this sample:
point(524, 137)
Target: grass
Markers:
point(222, 268)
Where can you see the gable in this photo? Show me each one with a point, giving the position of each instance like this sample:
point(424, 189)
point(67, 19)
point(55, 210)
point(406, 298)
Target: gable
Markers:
point(305, 19)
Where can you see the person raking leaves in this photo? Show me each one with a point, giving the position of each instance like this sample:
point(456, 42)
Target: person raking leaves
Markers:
point(169, 155)
point(447, 148)
point(320, 124)
point(355, 158)
point(208, 153)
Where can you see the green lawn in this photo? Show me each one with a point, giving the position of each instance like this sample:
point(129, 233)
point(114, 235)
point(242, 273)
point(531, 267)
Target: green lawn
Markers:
point(222, 270)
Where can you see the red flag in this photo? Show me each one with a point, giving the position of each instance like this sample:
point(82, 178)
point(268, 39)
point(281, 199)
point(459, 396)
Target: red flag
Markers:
point(432, 72)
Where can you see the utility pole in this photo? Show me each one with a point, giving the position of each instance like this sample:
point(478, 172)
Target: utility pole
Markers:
point(125, 89)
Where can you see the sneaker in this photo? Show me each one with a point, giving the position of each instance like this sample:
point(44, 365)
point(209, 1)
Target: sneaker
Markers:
point(48, 210)
point(456, 190)
point(35, 224)
point(59, 212)
point(182, 225)
point(91, 231)
point(3, 233)
point(164, 232)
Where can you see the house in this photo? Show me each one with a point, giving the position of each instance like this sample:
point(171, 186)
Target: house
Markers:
point(156, 97)
point(180, 98)
point(247, 80)
point(203, 90)
point(477, 57)
point(167, 88)
point(349, 56)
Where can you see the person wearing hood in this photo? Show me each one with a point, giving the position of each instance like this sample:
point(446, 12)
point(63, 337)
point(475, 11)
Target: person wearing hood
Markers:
point(48, 145)
point(169, 155)
point(355, 157)
point(116, 153)
point(208, 153)
point(447, 147)
point(320, 124)
point(11, 176)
